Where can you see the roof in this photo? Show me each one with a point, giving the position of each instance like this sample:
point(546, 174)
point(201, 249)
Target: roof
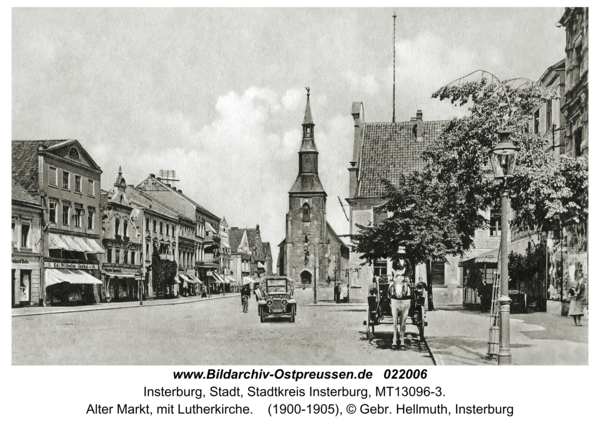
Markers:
point(390, 150)
point(488, 256)
point(335, 235)
point(307, 183)
point(235, 238)
point(20, 194)
point(307, 114)
point(25, 161)
point(267, 250)
point(141, 198)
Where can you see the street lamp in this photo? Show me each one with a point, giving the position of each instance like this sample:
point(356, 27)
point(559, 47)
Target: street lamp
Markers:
point(504, 159)
point(306, 243)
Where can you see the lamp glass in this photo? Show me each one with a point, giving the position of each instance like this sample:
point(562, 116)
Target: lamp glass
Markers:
point(504, 157)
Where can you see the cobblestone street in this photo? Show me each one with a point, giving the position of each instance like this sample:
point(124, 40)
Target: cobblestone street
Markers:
point(208, 332)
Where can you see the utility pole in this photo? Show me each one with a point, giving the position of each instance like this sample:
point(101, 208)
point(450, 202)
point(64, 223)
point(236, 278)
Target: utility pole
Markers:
point(394, 76)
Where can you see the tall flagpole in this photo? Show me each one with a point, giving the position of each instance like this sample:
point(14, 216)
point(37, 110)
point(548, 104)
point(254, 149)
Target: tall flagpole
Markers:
point(394, 92)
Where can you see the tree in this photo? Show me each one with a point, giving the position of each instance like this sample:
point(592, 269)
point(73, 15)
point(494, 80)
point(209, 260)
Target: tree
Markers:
point(435, 212)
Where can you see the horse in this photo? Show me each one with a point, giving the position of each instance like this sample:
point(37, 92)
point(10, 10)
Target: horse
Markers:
point(400, 300)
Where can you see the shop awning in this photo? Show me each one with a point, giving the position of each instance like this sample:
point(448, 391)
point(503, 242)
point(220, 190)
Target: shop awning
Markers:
point(185, 278)
point(225, 244)
point(231, 280)
point(261, 265)
point(74, 243)
point(56, 242)
point(194, 279)
point(248, 280)
point(83, 245)
point(486, 257)
point(209, 227)
point(74, 277)
point(97, 248)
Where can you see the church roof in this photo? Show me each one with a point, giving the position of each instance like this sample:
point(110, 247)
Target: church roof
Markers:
point(390, 150)
point(307, 114)
point(307, 183)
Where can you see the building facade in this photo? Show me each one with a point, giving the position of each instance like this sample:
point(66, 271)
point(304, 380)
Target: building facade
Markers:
point(27, 249)
point(241, 254)
point(122, 239)
point(309, 239)
point(64, 178)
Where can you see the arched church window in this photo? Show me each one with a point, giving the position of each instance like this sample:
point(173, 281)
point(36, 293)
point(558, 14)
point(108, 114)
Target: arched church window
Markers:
point(305, 213)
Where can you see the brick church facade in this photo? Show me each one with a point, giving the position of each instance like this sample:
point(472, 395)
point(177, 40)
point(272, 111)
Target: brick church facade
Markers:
point(311, 246)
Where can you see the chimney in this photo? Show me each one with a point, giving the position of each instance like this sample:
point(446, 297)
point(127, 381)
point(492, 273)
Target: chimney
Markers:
point(152, 175)
point(179, 190)
point(419, 120)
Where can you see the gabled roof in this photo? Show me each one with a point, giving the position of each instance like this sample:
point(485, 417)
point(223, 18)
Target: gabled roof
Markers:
point(267, 250)
point(235, 237)
point(307, 183)
point(150, 204)
point(25, 159)
point(335, 235)
point(391, 149)
point(20, 194)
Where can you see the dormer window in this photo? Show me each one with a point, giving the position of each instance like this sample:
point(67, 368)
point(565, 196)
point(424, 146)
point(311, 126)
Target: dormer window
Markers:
point(305, 213)
point(73, 153)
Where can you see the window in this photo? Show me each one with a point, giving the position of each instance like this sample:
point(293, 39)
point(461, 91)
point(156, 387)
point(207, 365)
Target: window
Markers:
point(167, 229)
point(117, 226)
point(437, 272)
point(147, 251)
point(161, 227)
point(125, 234)
point(154, 225)
point(132, 257)
point(52, 212)
point(78, 217)
point(305, 213)
point(25, 235)
point(495, 225)
point(14, 234)
point(92, 188)
point(78, 184)
point(65, 215)
point(380, 268)
point(52, 176)
point(117, 255)
point(536, 122)
point(147, 224)
point(90, 220)
point(125, 257)
point(66, 180)
point(578, 63)
point(578, 142)
point(109, 255)
point(549, 115)
point(73, 153)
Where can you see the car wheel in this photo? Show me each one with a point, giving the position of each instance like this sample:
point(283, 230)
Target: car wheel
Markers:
point(261, 310)
point(293, 318)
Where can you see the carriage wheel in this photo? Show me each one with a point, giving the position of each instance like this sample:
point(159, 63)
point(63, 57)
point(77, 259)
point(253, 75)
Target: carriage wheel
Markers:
point(422, 323)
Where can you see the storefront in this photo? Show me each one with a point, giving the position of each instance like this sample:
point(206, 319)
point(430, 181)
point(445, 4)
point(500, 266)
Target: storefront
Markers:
point(122, 283)
point(25, 280)
point(71, 283)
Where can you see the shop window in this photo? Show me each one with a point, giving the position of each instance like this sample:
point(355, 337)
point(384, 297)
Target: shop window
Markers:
point(78, 184)
point(52, 176)
point(52, 212)
point(437, 272)
point(66, 182)
point(25, 285)
point(65, 215)
point(306, 213)
point(92, 189)
point(117, 255)
point(90, 220)
point(495, 224)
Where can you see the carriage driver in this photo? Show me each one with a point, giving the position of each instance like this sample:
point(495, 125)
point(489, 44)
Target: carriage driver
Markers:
point(400, 299)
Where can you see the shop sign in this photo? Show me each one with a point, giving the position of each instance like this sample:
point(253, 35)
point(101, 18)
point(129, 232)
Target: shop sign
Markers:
point(20, 260)
point(53, 265)
point(209, 274)
point(119, 270)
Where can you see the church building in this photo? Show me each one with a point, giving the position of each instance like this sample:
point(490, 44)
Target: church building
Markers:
point(311, 250)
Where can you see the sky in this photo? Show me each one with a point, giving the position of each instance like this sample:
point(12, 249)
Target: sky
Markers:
point(218, 94)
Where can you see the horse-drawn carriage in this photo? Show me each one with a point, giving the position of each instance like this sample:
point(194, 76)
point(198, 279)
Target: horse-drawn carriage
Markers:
point(380, 312)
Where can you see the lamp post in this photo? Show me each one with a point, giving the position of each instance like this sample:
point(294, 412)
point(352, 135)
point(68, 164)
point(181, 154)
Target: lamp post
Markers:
point(504, 159)
point(306, 243)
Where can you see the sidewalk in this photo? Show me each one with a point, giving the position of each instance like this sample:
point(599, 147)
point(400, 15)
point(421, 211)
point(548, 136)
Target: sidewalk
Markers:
point(460, 337)
point(35, 311)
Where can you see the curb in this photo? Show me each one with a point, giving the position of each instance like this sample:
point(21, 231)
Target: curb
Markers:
point(436, 361)
point(116, 307)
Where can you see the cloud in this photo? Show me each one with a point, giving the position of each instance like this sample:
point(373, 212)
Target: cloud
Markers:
point(292, 99)
point(367, 84)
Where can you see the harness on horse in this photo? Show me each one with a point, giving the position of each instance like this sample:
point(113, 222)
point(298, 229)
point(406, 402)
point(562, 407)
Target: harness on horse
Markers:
point(400, 291)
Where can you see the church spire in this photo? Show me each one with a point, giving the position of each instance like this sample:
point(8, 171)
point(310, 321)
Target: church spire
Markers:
point(308, 127)
point(307, 114)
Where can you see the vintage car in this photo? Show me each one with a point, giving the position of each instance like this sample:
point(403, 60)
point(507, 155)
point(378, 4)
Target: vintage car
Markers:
point(277, 298)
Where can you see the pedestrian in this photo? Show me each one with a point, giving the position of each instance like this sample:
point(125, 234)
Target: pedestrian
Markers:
point(336, 292)
point(245, 293)
point(576, 304)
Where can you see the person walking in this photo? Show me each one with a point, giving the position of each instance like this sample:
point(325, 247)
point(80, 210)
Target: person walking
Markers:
point(576, 304)
point(245, 293)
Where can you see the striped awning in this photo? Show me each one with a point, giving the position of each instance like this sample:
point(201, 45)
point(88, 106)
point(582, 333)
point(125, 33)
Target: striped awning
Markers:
point(75, 277)
point(487, 257)
point(185, 278)
point(194, 279)
point(74, 243)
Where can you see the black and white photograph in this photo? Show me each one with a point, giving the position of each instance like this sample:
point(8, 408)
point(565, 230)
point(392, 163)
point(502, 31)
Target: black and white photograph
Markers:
point(268, 187)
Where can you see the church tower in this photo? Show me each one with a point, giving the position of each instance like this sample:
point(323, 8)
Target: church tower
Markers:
point(306, 247)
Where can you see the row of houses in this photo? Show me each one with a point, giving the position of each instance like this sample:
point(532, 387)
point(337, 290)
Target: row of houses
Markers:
point(73, 242)
point(384, 150)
